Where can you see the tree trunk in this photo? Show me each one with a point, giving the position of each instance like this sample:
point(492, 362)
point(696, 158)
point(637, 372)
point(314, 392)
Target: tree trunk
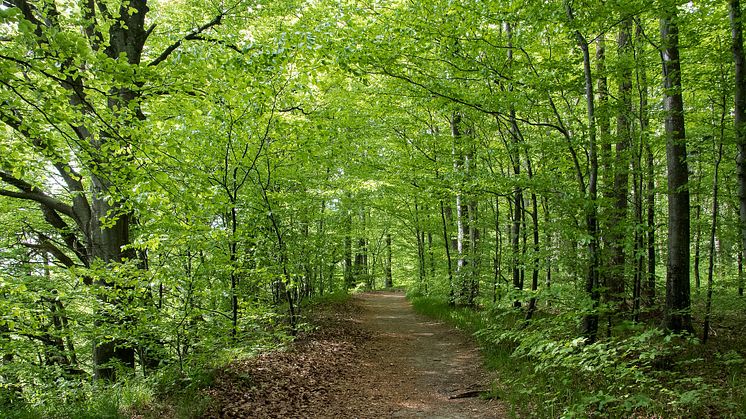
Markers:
point(431, 254)
point(348, 275)
point(590, 320)
point(617, 224)
point(447, 245)
point(713, 230)
point(498, 251)
point(697, 244)
point(361, 252)
point(462, 209)
point(389, 278)
point(535, 232)
point(739, 113)
point(473, 281)
point(420, 239)
point(677, 311)
point(650, 276)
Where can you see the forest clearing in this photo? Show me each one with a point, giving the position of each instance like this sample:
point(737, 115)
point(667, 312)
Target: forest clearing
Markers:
point(200, 196)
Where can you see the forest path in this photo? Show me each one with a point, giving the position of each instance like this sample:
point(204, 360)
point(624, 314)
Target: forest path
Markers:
point(415, 365)
point(371, 357)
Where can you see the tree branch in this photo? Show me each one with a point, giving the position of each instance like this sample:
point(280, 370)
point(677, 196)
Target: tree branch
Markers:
point(194, 35)
point(48, 247)
point(32, 193)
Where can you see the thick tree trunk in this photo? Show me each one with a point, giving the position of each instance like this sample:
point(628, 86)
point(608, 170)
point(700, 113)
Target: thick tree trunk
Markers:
point(107, 242)
point(617, 225)
point(607, 168)
point(677, 311)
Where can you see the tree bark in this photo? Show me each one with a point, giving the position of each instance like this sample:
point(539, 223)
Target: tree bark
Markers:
point(650, 275)
point(590, 320)
point(617, 225)
point(713, 230)
point(677, 316)
point(498, 251)
point(389, 278)
point(739, 113)
point(447, 245)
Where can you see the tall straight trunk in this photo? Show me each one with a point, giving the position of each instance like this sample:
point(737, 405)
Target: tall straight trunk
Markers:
point(515, 158)
point(638, 250)
point(498, 250)
point(460, 168)
point(233, 258)
point(606, 162)
point(361, 253)
point(740, 272)
point(536, 249)
point(616, 283)
point(697, 244)
point(423, 270)
point(389, 277)
point(644, 115)
point(348, 275)
point(431, 253)
point(474, 262)
point(419, 236)
point(321, 253)
point(515, 237)
point(713, 230)
point(447, 245)
point(590, 319)
point(604, 122)
point(739, 113)
point(677, 311)
point(650, 228)
point(547, 242)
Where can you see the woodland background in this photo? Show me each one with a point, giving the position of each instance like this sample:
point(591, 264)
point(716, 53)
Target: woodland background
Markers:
point(566, 179)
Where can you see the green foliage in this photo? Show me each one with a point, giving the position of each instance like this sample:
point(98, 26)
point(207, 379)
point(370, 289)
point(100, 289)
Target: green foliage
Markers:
point(546, 371)
point(251, 158)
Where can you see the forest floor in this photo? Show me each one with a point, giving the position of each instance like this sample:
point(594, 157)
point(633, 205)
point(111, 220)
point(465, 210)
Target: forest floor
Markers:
point(370, 357)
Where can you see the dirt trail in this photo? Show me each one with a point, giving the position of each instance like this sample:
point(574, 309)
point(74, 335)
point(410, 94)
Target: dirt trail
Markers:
point(373, 357)
point(415, 365)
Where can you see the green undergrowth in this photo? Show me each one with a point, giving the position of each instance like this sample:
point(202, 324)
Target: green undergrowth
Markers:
point(176, 390)
point(545, 370)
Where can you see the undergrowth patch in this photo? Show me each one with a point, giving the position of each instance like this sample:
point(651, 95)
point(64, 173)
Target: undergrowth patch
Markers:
point(546, 370)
